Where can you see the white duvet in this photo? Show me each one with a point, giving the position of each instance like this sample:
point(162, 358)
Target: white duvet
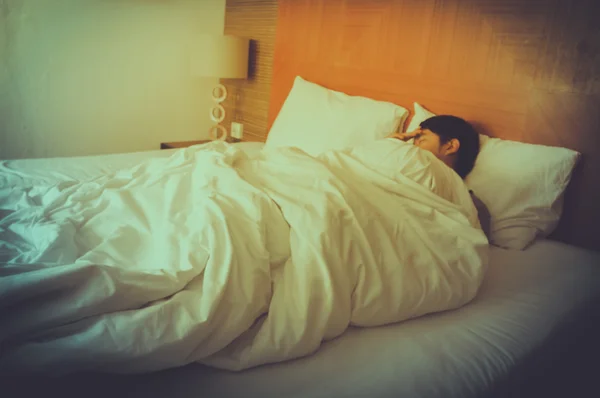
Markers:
point(210, 256)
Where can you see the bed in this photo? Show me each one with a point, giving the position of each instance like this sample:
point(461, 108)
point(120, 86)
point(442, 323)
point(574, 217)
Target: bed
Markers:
point(531, 332)
point(532, 328)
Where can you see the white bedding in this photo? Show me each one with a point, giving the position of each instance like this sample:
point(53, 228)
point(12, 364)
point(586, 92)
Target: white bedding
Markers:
point(81, 168)
point(526, 296)
point(207, 255)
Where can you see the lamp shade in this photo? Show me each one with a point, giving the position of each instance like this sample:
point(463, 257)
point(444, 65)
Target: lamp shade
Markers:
point(221, 56)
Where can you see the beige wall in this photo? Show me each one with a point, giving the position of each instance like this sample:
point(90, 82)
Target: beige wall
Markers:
point(81, 77)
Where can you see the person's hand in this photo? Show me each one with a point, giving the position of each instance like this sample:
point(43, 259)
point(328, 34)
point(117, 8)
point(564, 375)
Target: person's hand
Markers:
point(406, 136)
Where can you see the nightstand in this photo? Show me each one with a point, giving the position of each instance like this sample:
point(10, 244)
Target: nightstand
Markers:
point(185, 144)
point(181, 144)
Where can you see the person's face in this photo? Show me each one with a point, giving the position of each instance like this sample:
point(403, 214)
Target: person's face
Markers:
point(428, 140)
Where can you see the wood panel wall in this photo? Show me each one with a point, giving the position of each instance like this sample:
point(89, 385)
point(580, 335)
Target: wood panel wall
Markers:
point(526, 70)
point(248, 100)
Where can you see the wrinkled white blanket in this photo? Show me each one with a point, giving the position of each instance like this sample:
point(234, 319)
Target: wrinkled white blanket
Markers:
point(213, 257)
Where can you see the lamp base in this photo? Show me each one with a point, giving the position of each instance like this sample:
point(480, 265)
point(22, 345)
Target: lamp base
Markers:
point(218, 133)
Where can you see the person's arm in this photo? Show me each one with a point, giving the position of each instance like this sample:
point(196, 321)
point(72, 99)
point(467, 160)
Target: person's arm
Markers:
point(405, 136)
point(485, 218)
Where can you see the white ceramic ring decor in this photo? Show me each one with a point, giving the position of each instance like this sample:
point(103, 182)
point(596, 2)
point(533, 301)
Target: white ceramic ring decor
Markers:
point(217, 113)
point(219, 93)
point(215, 131)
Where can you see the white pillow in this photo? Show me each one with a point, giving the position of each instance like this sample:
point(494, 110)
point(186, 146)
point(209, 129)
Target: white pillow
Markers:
point(521, 184)
point(316, 119)
point(421, 114)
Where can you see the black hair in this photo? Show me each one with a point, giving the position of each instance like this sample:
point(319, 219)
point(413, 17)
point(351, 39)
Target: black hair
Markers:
point(449, 127)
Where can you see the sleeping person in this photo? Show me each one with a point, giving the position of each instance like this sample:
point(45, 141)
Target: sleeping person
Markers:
point(456, 143)
point(451, 139)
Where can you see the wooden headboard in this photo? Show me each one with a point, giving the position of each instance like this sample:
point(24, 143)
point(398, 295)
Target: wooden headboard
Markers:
point(521, 70)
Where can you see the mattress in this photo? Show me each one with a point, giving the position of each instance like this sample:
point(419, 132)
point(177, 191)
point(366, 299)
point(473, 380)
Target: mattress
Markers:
point(532, 307)
point(471, 352)
point(531, 317)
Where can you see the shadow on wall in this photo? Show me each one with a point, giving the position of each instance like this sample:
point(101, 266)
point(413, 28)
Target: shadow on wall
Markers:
point(252, 59)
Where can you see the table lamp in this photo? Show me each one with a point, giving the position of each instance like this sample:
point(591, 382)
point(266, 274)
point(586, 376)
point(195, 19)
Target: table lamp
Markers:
point(224, 57)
